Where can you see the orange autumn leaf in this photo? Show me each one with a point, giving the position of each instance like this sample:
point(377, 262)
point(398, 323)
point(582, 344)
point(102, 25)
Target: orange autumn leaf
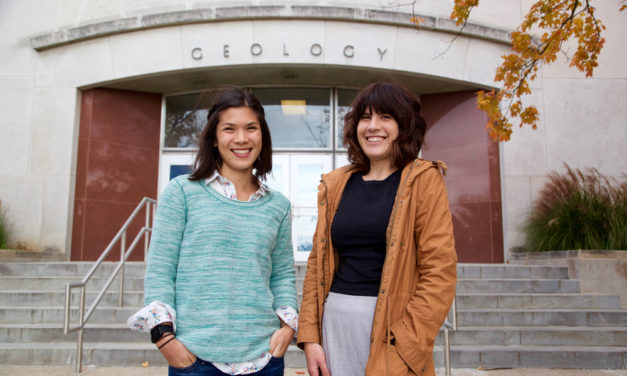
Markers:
point(416, 20)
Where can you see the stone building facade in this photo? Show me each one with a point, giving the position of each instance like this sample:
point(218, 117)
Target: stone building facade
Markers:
point(100, 101)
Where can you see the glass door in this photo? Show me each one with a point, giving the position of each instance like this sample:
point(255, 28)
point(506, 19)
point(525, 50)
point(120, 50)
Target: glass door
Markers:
point(297, 176)
point(173, 165)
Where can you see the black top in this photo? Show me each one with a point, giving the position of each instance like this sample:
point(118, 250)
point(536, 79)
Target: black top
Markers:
point(358, 233)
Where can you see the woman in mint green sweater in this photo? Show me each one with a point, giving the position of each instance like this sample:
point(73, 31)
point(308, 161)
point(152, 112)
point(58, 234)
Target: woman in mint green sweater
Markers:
point(220, 288)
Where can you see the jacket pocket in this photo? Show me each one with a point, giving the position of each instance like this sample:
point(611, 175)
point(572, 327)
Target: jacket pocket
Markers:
point(414, 351)
point(396, 366)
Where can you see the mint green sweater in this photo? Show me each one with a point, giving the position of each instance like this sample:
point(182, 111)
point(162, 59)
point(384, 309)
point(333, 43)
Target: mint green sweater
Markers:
point(225, 266)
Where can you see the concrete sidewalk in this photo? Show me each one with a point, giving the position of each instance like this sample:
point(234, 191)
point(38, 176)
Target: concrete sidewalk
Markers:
point(150, 371)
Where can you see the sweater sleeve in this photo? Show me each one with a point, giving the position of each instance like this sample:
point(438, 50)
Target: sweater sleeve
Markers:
point(282, 279)
point(163, 253)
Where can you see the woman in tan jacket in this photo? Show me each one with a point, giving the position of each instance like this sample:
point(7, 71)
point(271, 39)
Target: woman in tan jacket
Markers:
point(381, 275)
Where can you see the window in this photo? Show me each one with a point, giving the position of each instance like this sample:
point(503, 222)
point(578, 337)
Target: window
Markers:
point(299, 118)
point(344, 99)
point(186, 115)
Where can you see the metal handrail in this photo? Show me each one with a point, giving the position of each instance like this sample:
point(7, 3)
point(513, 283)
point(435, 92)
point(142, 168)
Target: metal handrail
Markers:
point(449, 324)
point(150, 206)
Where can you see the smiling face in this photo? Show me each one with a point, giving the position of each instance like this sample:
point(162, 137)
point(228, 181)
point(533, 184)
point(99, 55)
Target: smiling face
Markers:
point(239, 140)
point(376, 133)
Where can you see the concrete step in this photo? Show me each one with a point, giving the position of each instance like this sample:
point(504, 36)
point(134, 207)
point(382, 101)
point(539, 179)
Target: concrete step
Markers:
point(464, 300)
point(57, 298)
point(55, 314)
point(137, 269)
point(58, 283)
point(72, 269)
point(491, 271)
point(465, 317)
point(507, 336)
point(118, 332)
point(495, 356)
point(542, 317)
point(54, 293)
point(526, 301)
point(462, 356)
point(101, 354)
point(540, 286)
point(134, 287)
point(537, 336)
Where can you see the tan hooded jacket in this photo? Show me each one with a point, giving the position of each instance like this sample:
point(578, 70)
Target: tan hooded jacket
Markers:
point(418, 278)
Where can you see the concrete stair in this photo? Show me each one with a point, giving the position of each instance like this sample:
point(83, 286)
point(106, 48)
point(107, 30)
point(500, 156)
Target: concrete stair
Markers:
point(508, 316)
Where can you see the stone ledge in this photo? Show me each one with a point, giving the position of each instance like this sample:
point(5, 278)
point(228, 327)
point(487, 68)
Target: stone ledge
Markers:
point(577, 253)
point(16, 255)
point(599, 271)
point(222, 14)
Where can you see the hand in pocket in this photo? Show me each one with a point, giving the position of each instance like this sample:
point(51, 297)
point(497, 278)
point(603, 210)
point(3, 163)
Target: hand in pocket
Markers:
point(280, 341)
point(176, 354)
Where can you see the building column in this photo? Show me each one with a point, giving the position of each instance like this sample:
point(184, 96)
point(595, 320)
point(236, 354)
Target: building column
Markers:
point(118, 163)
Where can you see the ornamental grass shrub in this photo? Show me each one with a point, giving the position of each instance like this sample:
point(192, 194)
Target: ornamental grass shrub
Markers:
point(578, 210)
point(3, 229)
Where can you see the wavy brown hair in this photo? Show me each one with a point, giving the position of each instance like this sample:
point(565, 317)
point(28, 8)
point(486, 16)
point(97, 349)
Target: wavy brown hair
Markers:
point(208, 158)
point(396, 101)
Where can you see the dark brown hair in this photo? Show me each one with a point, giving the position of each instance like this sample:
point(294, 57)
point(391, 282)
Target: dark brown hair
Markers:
point(396, 101)
point(208, 158)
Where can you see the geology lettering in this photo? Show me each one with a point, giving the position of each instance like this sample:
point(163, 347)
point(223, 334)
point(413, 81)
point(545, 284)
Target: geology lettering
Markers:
point(256, 49)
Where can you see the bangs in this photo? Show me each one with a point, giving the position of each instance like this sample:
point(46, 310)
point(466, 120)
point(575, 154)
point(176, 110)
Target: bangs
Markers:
point(378, 100)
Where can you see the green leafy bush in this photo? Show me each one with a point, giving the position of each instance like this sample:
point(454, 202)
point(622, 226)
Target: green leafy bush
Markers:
point(578, 210)
point(3, 229)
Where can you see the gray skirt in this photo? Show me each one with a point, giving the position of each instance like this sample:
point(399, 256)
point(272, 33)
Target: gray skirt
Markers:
point(346, 328)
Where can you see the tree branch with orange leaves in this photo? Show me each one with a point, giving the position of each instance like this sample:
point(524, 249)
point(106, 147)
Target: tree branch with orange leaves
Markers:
point(558, 22)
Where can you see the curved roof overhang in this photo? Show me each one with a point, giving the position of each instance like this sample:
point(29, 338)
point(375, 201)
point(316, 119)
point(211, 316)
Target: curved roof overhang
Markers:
point(263, 12)
point(187, 51)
